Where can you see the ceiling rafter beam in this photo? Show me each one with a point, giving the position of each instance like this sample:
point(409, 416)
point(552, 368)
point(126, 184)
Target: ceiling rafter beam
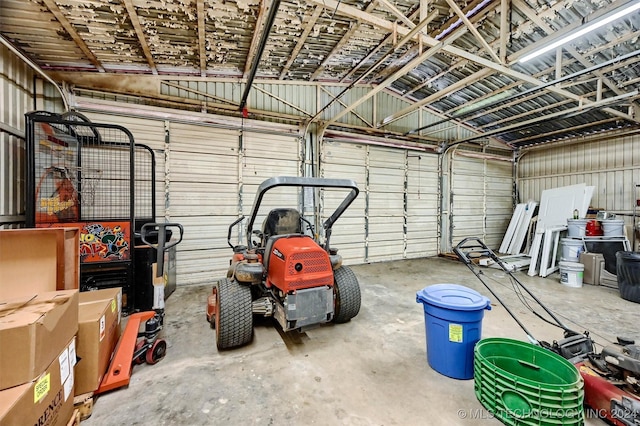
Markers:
point(394, 10)
point(409, 36)
point(563, 131)
point(504, 29)
point(416, 50)
point(268, 25)
point(478, 15)
point(388, 38)
point(402, 71)
point(345, 38)
point(531, 15)
point(478, 75)
point(456, 51)
point(430, 80)
point(255, 40)
point(471, 27)
point(524, 114)
point(202, 42)
point(479, 109)
point(582, 107)
point(135, 21)
point(68, 27)
point(301, 41)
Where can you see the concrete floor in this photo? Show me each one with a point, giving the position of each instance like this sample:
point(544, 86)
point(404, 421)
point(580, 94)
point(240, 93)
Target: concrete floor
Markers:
point(370, 371)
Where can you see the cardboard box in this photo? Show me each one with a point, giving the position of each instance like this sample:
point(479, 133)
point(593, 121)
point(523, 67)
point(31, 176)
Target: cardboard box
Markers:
point(33, 331)
point(98, 333)
point(47, 400)
point(593, 265)
point(34, 261)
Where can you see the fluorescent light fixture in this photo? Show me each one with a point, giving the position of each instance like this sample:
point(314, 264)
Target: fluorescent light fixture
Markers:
point(583, 30)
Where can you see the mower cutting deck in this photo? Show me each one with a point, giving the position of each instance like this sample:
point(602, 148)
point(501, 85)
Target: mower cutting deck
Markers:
point(287, 274)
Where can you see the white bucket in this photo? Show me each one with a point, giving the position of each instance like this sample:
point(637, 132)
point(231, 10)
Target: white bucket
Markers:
point(571, 249)
point(571, 274)
point(613, 227)
point(577, 227)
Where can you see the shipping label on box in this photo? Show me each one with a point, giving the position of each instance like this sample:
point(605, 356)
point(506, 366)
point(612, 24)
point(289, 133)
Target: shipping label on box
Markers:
point(45, 401)
point(36, 329)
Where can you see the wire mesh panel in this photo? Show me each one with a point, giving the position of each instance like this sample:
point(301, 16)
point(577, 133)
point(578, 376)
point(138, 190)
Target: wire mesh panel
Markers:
point(82, 171)
point(94, 177)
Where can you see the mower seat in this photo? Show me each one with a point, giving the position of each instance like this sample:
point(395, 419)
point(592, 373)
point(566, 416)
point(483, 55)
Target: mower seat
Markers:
point(281, 222)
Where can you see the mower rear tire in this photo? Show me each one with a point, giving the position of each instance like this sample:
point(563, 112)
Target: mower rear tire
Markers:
point(347, 295)
point(234, 315)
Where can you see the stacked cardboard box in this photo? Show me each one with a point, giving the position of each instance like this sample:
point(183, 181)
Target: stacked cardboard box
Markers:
point(54, 342)
point(37, 337)
point(98, 334)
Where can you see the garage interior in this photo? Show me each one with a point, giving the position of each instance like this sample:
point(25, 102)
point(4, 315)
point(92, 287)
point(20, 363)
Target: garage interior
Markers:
point(456, 120)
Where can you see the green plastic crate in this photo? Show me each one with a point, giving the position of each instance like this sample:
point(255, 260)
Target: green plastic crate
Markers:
point(523, 384)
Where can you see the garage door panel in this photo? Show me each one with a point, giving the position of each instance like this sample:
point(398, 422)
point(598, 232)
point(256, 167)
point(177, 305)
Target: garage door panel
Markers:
point(203, 139)
point(333, 153)
point(387, 181)
point(202, 266)
point(480, 187)
point(386, 203)
point(200, 233)
point(385, 251)
point(204, 168)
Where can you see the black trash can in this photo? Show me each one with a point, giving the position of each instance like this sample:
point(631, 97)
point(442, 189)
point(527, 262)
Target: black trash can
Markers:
point(628, 272)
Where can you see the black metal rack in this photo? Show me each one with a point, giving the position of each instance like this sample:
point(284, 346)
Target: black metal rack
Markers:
point(93, 177)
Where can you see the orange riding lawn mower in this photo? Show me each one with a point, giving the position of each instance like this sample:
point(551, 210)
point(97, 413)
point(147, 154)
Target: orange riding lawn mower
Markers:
point(285, 271)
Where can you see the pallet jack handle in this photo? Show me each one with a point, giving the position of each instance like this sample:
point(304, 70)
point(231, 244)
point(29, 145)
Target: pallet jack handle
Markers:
point(473, 247)
point(162, 246)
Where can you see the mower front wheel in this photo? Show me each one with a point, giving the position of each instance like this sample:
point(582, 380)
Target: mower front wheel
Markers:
point(234, 315)
point(347, 295)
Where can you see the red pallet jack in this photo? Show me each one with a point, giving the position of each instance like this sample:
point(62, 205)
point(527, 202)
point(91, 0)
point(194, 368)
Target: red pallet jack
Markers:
point(611, 377)
point(135, 346)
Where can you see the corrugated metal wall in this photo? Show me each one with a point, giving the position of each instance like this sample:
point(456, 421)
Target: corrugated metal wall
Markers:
point(612, 166)
point(307, 99)
point(481, 201)
point(20, 92)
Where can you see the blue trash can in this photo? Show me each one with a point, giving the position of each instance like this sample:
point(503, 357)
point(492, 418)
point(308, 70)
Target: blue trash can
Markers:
point(453, 319)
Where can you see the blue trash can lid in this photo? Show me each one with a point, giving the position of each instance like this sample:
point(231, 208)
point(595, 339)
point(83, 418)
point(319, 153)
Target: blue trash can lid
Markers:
point(453, 296)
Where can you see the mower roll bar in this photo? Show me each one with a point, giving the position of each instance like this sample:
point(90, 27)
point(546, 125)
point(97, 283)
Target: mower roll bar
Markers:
point(311, 182)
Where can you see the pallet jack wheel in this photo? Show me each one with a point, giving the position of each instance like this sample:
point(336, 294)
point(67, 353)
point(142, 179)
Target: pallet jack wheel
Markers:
point(140, 358)
point(156, 352)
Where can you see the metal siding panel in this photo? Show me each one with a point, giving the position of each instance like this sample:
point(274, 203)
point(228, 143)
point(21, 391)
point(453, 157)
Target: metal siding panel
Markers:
point(387, 105)
point(609, 165)
point(16, 98)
